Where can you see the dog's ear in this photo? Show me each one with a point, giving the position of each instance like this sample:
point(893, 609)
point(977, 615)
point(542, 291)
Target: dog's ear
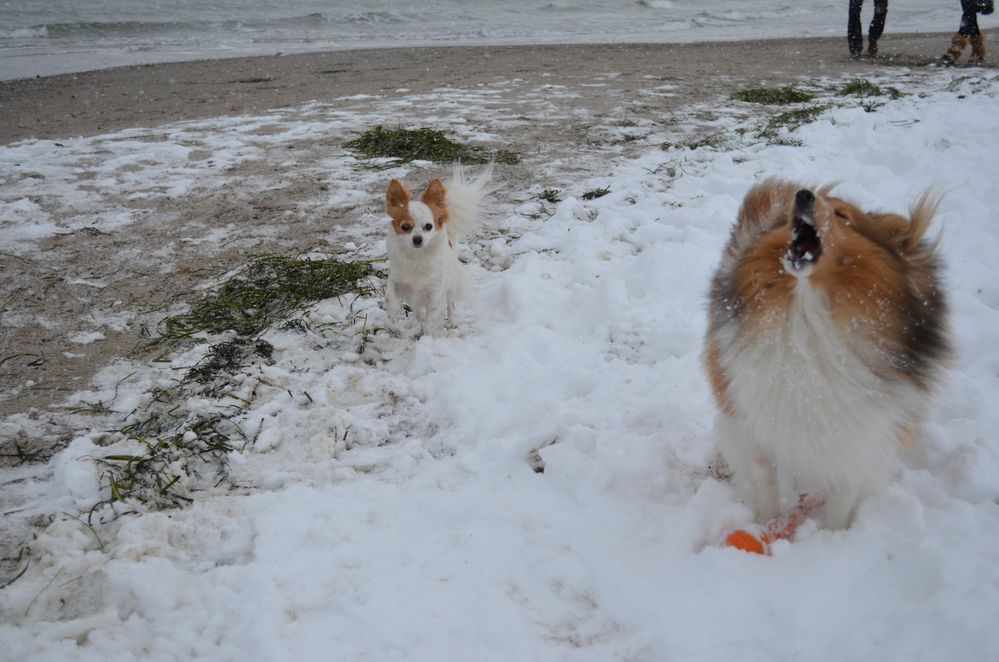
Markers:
point(397, 197)
point(433, 197)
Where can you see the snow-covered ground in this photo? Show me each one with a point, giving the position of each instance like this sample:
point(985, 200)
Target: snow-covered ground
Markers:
point(393, 505)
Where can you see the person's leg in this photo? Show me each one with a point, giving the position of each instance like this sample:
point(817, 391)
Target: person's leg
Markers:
point(969, 19)
point(977, 49)
point(959, 41)
point(877, 26)
point(969, 25)
point(854, 37)
point(969, 29)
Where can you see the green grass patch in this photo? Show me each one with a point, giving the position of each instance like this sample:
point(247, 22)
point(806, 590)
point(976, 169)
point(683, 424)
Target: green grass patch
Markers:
point(552, 195)
point(268, 290)
point(790, 120)
point(542, 213)
point(14, 453)
point(712, 141)
point(861, 87)
point(777, 96)
point(178, 441)
point(176, 450)
point(422, 145)
point(596, 193)
point(226, 359)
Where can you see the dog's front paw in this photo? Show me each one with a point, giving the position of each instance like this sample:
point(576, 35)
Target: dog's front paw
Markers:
point(433, 330)
point(395, 328)
point(394, 312)
point(719, 469)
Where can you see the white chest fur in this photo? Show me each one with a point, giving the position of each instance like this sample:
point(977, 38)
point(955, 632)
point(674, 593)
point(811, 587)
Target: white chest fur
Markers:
point(428, 278)
point(805, 399)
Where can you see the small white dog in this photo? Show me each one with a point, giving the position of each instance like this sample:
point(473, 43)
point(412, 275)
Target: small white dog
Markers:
point(424, 271)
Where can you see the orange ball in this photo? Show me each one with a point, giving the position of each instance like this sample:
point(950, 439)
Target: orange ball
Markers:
point(745, 541)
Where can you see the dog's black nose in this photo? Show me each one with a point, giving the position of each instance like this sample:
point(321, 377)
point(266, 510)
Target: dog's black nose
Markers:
point(417, 241)
point(803, 200)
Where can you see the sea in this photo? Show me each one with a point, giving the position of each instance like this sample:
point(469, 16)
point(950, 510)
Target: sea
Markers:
point(44, 37)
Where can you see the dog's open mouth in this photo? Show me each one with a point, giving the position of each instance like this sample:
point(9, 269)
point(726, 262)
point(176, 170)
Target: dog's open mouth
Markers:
point(806, 245)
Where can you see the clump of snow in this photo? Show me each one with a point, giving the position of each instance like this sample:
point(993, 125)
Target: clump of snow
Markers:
point(85, 337)
point(22, 222)
point(74, 472)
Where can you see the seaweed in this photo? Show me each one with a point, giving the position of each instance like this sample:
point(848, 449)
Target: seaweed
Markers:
point(183, 445)
point(781, 96)
point(861, 87)
point(712, 141)
point(268, 290)
point(422, 145)
point(596, 193)
point(790, 120)
point(551, 195)
point(181, 448)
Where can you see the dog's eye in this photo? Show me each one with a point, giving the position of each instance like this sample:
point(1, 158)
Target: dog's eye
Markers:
point(428, 227)
point(841, 214)
point(406, 227)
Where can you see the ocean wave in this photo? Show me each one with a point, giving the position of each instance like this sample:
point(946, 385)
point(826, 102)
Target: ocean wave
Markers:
point(707, 19)
point(137, 29)
point(317, 19)
point(657, 4)
point(35, 32)
point(85, 29)
point(374, 18)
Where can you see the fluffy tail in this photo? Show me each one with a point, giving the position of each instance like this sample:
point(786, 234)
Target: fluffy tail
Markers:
point(921, 215)
point(466, 200)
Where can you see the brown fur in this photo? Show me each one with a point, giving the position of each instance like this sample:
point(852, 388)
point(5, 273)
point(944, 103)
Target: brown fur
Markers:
point(877, 271)
point(434, 197)
point(977, 49)
point(397, 205)
point(958, 43)
point(717, 376)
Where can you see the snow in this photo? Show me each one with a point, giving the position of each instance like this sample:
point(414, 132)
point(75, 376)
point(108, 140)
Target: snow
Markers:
point(86, 337)
point(392, 506)
point(75, 475)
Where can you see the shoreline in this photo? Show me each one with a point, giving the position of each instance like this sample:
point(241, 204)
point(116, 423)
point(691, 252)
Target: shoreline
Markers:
point(104, 100)
point(72, 62)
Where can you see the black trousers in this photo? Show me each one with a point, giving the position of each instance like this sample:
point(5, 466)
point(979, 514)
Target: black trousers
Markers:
point(969, 19)
point(854, 34)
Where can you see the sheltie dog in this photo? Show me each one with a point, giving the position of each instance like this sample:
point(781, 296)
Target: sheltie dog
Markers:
point(424, 270)
point(827, 335)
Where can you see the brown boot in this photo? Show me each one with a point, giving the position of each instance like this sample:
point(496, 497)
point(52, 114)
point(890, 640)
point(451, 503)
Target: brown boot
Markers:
point(977, 49)
point(957, 45)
